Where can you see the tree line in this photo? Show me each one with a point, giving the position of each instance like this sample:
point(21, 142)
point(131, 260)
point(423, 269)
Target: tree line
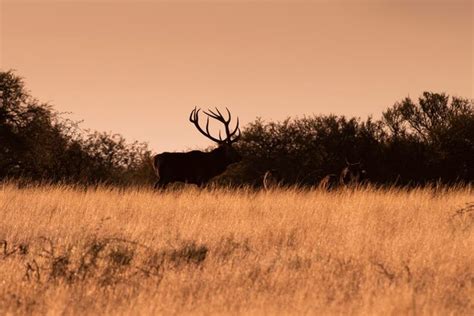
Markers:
point(415, 142)
point(37, 143)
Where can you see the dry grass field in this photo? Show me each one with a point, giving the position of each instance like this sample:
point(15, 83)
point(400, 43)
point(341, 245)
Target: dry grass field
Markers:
point(72, 251)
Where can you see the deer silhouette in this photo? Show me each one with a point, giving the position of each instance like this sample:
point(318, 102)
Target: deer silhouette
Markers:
point(198, 167)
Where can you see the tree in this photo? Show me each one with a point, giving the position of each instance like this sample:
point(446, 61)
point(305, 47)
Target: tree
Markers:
point(37, 143)
point(433, 139)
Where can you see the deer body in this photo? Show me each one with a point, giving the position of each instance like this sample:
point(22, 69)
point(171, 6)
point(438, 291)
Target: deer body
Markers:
point(198, 167)
point(194, 167)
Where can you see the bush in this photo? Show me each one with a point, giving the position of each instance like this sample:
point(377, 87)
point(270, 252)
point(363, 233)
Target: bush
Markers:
point(37, 143)
point(413, 144)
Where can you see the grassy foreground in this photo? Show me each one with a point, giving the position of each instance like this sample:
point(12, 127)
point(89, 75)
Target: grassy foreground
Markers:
point(106, 251)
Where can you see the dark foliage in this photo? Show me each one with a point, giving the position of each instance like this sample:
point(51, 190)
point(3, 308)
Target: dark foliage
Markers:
point(38, 144)
point(430, 141)
point(304, 151)
point(414, 143)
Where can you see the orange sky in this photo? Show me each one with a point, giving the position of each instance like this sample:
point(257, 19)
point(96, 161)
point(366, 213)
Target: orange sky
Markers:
point(138, 68)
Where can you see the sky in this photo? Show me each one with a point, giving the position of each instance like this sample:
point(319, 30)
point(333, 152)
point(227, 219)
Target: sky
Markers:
point(139, 67)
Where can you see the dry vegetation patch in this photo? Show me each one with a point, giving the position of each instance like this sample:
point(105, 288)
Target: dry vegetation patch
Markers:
point(135, 251)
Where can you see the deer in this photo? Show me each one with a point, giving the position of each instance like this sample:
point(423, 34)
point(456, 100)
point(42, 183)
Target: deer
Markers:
point(351, 174)
point(198, 167)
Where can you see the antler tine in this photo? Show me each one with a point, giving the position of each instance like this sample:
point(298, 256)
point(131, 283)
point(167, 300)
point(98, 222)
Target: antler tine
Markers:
point(210, 113)
point(230, 116)
point(236, 128)
point(207, 126)
point(194, 114)
point(194, 118)
point(213, 114)
point(219, 112)
point(221, 117)
point(236, 133)
point(209, 133)
point(191, 115)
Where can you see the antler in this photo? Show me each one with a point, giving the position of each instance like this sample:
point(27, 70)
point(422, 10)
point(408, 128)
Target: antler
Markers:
point(194, 118)
point(218, 116)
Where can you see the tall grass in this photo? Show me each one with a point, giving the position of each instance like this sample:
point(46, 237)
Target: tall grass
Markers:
point(283, 251)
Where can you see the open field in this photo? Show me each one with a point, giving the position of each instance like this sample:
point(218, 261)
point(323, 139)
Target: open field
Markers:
point(367, 251)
